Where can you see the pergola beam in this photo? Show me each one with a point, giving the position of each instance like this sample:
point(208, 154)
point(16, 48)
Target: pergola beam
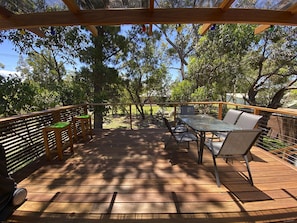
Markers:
point(74, 8)
point(6, 14)
point(145, 16)
point(262, 28)
point(224, 6)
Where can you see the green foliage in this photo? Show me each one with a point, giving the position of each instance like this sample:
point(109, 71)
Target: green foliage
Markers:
point(230, 59)
point(181, 91)
point(200, 94)
point(15, 96)
point(216, 62)
point(144, 72)
point(44, 98)
point(270, 67)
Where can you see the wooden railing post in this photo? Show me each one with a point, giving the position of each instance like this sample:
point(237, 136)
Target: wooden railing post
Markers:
point(85, 107)
point(56, 115)
point(174, 113)
point(256, 111)
point(220, 111)
point(130, 111)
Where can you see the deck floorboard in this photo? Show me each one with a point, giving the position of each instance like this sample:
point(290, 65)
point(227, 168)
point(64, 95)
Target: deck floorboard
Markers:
point(128, 176)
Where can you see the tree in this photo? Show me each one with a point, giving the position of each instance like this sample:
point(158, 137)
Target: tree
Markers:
point(181, 91)
point(180, 39)
point(15, 96)
point(216, 64)
point(46, 60)
point(143, 71)
point(101, 57)
point(271, 67)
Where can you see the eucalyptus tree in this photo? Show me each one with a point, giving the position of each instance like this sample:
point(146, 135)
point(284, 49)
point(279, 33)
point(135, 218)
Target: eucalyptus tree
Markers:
point(218, 55)
point(144, 72)
point(179, 38)
point(270, 67)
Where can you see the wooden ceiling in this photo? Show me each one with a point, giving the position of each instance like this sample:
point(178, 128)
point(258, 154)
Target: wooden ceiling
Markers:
point(224, 13)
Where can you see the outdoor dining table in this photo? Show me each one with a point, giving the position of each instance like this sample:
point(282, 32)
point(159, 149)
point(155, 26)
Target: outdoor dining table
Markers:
point(203, 123)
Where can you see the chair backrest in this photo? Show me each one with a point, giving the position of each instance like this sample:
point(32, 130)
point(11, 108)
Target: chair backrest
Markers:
point(239, 142)
point(168, 125)
point(232, 116)
point(247, 120)
point(187, 110)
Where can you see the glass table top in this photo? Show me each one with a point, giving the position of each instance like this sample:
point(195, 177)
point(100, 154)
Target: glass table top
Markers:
point(207, 123)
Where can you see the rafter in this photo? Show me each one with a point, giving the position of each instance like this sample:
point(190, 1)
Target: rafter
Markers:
point(144, 16)
point(204, 28)
point(152, 2)
point(6, 14)
point(224, 6)
point(74, 8)
point(293, 9)
point(262, 28)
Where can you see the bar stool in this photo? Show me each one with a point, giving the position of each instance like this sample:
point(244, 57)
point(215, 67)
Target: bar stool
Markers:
point(85, 123)
point(58, 128)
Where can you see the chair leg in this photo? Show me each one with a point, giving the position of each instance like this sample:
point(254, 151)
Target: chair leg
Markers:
point(248, 169)
point(166, 142)
point(216, 171)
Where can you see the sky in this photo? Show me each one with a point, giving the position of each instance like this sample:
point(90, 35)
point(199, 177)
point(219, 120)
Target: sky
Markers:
point(8, 57)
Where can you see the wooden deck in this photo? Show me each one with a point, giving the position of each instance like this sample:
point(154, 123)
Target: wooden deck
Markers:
point(127, 176)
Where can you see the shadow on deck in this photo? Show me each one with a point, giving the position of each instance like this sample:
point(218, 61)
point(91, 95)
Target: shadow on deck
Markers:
point(127, 176)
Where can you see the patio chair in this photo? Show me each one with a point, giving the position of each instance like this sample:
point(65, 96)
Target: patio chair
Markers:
point(180, 137)
point(187, 110)
point(184, 110)
point(248, 120)
point(236, 144)
point(244, 121)
point(232, 116)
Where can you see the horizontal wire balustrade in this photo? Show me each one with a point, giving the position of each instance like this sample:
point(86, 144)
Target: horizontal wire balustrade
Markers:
point(22, 137)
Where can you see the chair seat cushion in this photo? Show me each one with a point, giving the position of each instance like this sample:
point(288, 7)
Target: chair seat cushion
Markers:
point(185, 137)
point(214, 146)
point(60, 125)
point(179, 128)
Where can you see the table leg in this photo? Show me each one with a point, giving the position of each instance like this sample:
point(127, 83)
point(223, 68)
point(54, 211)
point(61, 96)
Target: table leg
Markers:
point(201, 147)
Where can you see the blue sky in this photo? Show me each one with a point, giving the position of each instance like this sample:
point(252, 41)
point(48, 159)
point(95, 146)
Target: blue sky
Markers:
point(8, 57)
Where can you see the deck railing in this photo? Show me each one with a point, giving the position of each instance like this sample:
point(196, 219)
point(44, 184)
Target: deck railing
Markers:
point(279, 126)
point(22, 136)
